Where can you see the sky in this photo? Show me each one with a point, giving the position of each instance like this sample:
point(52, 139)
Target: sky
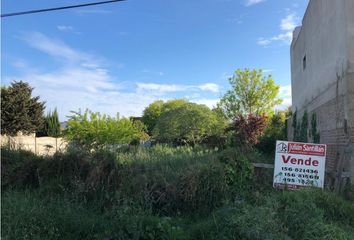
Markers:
point(120, 57)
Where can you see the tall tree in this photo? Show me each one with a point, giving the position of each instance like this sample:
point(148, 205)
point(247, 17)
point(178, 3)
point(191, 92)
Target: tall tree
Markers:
point(251, 93)
point(52, 124)
point(155, 109)
point(190, 123)
point(19, 110)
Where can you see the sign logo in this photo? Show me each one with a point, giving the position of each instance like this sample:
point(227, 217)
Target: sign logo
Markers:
point(282, 148)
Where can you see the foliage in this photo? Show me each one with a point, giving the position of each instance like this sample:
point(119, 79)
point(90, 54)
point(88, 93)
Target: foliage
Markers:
point(314, 133)
point(28, 215)
point(294, 124)
point(93, 131)
point(142, 130)
point(300, 127)
point(275, 130)
point(152, 113)
point(240, 221)
point(190, 123)
point(287, 215)
point(204, 185)
point(248, 129)
point(310, 214)
point(19, 168)
point(159, 193)
point(19, 110)
point(239, 170)
point(251, 93)
point(304, 128)
point(51, 126)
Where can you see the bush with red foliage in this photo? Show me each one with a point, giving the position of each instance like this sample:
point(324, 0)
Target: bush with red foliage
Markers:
point(248, 128)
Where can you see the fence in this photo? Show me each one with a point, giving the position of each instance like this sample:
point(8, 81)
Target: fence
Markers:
point(37, 145)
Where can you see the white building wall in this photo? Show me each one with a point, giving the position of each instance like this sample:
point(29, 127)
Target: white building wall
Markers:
point(326, 85)
point(324, 42)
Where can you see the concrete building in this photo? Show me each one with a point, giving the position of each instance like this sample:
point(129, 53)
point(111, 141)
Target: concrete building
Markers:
point(322, 78)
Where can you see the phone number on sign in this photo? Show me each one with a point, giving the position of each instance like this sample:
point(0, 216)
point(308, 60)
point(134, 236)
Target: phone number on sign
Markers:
point(301, 181)
point(301, 176)
point(299, 170)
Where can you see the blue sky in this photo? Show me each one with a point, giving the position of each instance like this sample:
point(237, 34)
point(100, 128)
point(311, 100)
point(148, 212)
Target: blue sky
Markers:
point(120, 57)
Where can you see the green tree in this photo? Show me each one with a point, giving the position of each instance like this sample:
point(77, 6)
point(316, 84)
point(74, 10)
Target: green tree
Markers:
point(190, 123)
point(152, 113)
point(19, 110)
point(251, 93)
point(51, 126)
point(93, 131)
point(275, 130)
point(314, 133)
point(142, 130)
point(304, 128)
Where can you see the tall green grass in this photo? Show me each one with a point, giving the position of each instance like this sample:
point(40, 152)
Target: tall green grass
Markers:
point(160, 193)
point(283, 215)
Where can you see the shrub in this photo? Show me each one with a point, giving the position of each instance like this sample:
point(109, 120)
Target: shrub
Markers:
point(240, 221)
point(311, 213)
point(298, 211)
point(204, 187)
point(321, 230)
point(248, 129)
point(190, 124)
point(27, 215)
point(19, 168)
point(92, 131)
point(239, 170)
point(276, 130)
point(335, 208)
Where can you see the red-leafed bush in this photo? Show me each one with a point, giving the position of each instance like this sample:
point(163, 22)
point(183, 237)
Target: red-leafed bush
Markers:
point(248, 128)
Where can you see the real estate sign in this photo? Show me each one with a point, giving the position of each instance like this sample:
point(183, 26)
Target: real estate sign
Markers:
point(299, 165)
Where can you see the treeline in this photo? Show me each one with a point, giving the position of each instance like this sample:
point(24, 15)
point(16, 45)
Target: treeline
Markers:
point(244, 115)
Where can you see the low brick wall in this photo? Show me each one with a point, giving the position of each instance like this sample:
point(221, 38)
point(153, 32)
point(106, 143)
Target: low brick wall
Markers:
point(37, 145)
point(335, 121)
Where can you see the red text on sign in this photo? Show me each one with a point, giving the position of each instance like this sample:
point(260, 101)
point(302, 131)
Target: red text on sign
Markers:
point(299, 161)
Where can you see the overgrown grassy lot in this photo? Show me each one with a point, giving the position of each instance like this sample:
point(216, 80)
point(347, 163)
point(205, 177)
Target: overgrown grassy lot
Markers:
point(160, 193)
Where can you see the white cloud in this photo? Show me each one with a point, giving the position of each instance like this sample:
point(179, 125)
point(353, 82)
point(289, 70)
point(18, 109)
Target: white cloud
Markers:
point(253, 2)
point(81, 81)
point(64, 28)
point(287, 26)
point(160, 88)
point(288, 23)
point(212, 87)
point(169, 88)
point(57, 48)
point(264, 42)
point(211, 103)
point(284, 37)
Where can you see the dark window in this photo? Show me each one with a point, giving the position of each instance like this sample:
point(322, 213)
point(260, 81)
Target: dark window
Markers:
point(304, 63)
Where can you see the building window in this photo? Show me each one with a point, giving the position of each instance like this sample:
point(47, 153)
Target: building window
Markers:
point(304, 63)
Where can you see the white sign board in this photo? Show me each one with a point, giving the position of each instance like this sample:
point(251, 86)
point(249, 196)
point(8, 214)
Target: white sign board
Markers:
point(299, 165)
